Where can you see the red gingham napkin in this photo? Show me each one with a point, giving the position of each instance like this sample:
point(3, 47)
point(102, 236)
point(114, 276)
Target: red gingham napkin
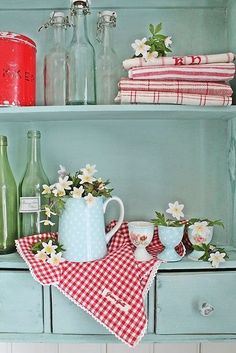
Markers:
point(111, 289)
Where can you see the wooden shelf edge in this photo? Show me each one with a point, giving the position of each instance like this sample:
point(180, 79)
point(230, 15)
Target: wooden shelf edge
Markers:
point(115, 112)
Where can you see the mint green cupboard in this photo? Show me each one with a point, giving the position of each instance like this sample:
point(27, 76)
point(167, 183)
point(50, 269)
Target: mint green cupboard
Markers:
point(21, 306)
point(153, 154)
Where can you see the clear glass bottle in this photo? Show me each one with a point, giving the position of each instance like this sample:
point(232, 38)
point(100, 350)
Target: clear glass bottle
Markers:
point(81, 86)
point(55, 60)
point(108, 66)
point(30, 189)
point(8, 202)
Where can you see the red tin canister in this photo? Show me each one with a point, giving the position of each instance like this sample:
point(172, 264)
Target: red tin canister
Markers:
point(17, 70)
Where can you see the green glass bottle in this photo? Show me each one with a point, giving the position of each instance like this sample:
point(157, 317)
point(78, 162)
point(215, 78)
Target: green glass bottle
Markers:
point(8, 202)
point(30, 189)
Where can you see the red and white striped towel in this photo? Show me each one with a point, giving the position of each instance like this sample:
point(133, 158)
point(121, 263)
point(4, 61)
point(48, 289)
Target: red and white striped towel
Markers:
point(191, 87)
point(180, 60)
point(111, 290)
point(152, 97)
point(207, 72)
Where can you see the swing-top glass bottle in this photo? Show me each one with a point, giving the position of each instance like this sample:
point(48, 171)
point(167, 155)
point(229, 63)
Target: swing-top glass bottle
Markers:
point(55, 60)
point(81, 87)
point(108, 66)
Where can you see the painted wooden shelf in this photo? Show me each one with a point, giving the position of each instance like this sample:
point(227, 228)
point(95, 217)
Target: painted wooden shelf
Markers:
point(115, 112)
point(64, 4)
point(14, 261)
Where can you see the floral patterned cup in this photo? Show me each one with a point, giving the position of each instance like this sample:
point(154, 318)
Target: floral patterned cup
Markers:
point(199, 237)
point(141, 234)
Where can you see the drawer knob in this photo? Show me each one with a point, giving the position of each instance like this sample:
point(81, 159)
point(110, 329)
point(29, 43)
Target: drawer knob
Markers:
point(206, 309)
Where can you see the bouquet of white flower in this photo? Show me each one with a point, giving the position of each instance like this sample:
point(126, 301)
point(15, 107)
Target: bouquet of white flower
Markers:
point(155, 46)
point(82, 184)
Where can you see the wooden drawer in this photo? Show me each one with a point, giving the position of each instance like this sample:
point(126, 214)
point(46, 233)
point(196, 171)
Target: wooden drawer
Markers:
point(70, 319)
point(21, 307)
point(180, 297)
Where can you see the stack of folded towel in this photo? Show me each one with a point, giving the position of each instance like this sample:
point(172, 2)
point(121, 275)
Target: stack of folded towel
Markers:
point(190, 80)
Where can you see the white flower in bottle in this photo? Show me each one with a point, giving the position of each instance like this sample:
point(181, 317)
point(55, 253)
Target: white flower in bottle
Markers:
point(175, 209)
point(216, 258)
point(140, 47)
point(77, 192)
point(200, 229)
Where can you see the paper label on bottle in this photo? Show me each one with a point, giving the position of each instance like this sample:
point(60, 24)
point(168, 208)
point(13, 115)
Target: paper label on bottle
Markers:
point(29, 204)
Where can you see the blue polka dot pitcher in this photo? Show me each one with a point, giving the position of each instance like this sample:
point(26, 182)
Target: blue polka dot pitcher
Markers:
point(82, 228)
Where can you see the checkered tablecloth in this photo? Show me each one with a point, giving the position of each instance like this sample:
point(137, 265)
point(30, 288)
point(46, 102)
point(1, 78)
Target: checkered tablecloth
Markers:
point(111, 289)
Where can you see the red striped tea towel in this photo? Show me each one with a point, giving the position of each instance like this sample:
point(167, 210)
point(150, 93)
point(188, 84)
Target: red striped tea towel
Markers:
point(153, 97)
point(111, 290)
point(180, 60)
point(192, 87)
point(207, 72)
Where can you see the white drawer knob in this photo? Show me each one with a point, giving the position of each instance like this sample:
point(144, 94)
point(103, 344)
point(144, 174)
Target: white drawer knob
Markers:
point(206, 309)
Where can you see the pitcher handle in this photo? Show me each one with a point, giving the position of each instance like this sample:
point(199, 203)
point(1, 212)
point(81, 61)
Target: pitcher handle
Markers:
point(120, 220)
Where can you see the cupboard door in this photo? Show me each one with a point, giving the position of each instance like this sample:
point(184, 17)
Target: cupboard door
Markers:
point(21, 306)
point(197, 303)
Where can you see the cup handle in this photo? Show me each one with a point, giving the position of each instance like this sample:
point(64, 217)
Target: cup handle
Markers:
point(121, 217)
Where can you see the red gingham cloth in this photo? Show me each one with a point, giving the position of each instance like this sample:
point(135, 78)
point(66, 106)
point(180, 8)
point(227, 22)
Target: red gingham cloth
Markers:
point(111, 289)
point(153, 97)
point(179, 60)
point(204, 72)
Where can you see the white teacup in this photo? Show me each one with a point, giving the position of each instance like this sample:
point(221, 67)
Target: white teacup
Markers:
point(141, 234)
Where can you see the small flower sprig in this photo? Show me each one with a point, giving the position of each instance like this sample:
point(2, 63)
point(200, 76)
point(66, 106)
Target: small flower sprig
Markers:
point(81, 185)
point(156, 45)
point(49, 251)
point(210, 223)
point(212, 254)
point(175, 209)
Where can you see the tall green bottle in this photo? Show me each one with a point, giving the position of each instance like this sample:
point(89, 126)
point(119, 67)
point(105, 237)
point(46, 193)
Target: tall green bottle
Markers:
point(30, 189)
point(8, 202)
